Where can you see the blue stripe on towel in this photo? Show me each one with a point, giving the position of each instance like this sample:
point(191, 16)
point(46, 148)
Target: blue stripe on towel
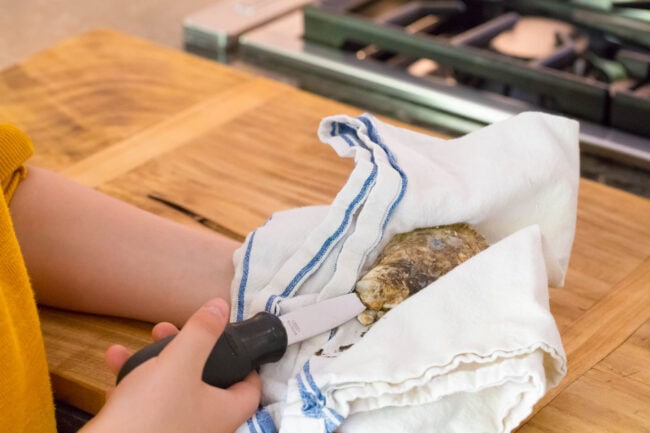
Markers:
point(347, 132)
point(316, 390)
point(265, 421)
point(310, 379)
point(339, 418)
point(244, 278)
point(251, 425)
point(314, 402)
point(344, 223)
point(330, 426)
point(374, 136)
point(270, 305)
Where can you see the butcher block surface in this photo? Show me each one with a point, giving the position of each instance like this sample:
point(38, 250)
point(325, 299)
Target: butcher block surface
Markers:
point(133, 119)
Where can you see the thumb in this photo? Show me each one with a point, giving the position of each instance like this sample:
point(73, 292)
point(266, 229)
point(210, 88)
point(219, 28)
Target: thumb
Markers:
point(195, 341)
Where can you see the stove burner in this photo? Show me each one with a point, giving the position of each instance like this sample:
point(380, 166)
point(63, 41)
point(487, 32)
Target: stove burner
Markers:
point(532, 38)
point(454, 64)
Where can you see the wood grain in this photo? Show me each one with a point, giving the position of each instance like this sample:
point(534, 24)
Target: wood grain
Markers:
point(612, 239)
point(614, 396)
point(120, 158)
point(236, 181)
point(631, 359)
point(75, 344)
point(87, 93)
point(133, 119)
point(604, 327)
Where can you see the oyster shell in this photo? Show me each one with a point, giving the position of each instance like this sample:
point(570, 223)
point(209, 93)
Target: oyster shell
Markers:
point(411, 261)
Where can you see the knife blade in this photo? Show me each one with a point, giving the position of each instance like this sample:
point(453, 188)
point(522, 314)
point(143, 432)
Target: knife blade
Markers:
point(244, 346)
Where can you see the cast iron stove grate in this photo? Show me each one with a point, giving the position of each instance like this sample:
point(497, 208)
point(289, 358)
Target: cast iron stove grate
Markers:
point(595, 66)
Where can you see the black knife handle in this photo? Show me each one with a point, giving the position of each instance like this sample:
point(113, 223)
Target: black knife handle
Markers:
point(243, 347)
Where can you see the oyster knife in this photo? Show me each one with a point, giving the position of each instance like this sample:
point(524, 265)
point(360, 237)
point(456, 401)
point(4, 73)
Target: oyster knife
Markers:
point(246, 345)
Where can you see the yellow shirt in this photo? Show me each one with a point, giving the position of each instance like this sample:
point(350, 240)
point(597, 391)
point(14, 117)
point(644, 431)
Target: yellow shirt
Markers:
point(25, 395)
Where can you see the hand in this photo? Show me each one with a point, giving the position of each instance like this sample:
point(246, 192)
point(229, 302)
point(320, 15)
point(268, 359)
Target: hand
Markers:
point(166, 393)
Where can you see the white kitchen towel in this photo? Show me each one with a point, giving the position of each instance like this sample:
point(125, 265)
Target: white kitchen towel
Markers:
point(473, 351)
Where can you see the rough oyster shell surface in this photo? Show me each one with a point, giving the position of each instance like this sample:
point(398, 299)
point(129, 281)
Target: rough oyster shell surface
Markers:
point(411, 261)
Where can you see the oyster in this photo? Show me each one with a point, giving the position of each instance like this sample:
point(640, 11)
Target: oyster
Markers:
point(411, 261)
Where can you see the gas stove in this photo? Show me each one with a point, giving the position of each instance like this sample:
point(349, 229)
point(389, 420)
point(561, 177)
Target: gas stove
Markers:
point(555, 65)
point(458, 65)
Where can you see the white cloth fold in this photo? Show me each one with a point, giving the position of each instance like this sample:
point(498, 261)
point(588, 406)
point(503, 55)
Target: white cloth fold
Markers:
point(473, 351)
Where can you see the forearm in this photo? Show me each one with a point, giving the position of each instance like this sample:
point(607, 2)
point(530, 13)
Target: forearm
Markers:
point(89, 252)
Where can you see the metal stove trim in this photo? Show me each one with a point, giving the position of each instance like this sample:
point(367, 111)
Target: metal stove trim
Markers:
point(280, 44)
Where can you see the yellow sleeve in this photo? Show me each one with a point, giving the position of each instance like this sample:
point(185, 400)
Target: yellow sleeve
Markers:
point(15, 149)
point(26, 403)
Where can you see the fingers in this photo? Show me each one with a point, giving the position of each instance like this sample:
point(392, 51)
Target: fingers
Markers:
point(115, 357)
point(248, 392)
point(162, 330)
point(191, 347)
point(241, 400)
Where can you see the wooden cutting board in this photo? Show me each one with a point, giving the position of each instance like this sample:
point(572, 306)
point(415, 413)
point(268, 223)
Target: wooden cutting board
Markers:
point(131, 118)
